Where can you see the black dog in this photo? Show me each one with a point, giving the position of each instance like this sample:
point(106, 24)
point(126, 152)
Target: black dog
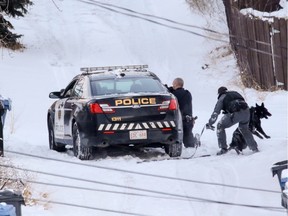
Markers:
point(256, 114)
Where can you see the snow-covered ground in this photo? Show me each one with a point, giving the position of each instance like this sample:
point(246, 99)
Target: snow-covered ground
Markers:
point(79, 33)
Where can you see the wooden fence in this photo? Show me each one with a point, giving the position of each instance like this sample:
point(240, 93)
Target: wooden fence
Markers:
point(260, 46)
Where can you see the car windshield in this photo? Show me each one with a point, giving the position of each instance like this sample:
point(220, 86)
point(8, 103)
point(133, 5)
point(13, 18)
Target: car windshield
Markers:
point(126, 85)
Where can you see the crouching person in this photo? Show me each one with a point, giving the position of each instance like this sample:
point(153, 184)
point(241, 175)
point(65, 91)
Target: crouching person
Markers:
point(235, 110)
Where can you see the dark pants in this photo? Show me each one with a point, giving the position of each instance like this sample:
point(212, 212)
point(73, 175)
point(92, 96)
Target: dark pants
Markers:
point(242, 118)
point(188, 138)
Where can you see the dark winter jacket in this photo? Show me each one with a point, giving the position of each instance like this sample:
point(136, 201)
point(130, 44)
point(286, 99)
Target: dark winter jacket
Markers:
point(184, 98)
point(229, 102)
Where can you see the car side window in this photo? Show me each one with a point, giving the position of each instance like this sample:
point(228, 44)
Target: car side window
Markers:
point(68, 90)
point(78, 89)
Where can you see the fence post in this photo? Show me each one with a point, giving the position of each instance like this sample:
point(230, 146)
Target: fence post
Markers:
point(272, 32)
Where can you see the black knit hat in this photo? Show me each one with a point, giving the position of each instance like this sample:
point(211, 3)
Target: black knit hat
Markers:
point(222, 89)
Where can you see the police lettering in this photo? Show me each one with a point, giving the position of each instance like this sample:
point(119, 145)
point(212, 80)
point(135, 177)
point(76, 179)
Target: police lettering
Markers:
point(135, 101)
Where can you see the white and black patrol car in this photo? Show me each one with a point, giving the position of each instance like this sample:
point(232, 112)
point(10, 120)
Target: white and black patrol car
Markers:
point(115, 105)
point(281, 170)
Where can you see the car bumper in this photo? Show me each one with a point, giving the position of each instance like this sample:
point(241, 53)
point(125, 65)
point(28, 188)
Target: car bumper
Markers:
point(153, 137)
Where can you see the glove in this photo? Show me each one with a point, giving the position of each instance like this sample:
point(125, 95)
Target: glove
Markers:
point(209, 126)
point(7, 104)
point(170, 89)
point(188, 118)
point(213, 118)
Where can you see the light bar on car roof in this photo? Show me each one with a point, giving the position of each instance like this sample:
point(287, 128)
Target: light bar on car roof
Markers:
point(94, 69)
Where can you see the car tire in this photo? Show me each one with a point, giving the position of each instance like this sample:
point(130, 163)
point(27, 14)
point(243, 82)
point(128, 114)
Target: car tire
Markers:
point(52, 144)
point(173, 150)
point(80, 151)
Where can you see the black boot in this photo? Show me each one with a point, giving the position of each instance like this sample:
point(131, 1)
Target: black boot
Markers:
point(255, 150)
point(238, 151)
point(222, 151)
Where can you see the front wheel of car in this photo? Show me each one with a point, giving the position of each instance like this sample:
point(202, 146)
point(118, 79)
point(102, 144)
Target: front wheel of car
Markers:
point(173, 150)
point(52, 144)
point(80, 151)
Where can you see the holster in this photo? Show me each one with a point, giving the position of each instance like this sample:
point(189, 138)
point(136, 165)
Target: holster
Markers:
point(237, 105)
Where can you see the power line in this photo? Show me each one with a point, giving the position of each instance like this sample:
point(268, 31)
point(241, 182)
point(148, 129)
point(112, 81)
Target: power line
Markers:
point(152, 21)
point(143, 174)
point(108, 6)
point(157, 17)
point(270, 208)
point(93, 189)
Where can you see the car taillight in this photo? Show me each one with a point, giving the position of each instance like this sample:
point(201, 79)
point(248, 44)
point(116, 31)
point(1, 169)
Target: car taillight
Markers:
point(166, 129)
point(173, 104)
point(100, 108)
point(169, 105)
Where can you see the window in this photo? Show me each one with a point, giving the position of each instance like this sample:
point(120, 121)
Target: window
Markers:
point(126, 85)
point(78, 89)
point(68, 90)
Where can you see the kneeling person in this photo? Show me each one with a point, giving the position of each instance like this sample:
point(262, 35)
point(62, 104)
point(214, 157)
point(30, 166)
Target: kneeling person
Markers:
point(184, 98)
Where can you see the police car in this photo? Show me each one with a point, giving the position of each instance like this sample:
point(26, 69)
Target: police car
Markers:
point(281, 170)
point(114, 105)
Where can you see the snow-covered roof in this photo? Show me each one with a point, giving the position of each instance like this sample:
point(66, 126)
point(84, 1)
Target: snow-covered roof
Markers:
point(282, 13)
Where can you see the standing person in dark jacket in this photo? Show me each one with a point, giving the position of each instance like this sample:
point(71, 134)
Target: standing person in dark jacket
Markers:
point(5, 104)
point(235, 110)
point(184, 98)
point(1, 127)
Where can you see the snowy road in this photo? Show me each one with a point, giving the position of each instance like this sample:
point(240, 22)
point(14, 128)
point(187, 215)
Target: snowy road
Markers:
point(122, 185)
point(93, 33)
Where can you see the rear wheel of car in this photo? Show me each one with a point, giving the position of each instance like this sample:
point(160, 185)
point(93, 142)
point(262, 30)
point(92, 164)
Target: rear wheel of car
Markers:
point(52, 144)
point(173, 150)
point(80, 151)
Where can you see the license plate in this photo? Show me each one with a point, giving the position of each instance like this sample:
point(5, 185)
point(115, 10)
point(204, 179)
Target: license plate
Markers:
point(138, 134)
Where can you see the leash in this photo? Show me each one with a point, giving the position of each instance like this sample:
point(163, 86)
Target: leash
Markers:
point(202, 131)
point(198, 139)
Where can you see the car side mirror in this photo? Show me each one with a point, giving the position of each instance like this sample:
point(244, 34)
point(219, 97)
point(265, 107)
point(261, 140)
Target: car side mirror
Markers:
point(55, 95)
